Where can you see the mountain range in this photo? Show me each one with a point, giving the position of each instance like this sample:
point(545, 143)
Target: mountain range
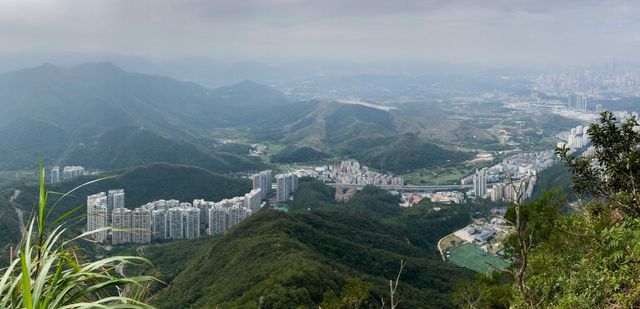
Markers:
point(103, 117)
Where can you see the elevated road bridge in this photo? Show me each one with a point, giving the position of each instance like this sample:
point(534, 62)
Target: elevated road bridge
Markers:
point(406, 188)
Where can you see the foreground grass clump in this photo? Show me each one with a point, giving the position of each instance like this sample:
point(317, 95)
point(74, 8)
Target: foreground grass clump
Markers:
point(49, 272)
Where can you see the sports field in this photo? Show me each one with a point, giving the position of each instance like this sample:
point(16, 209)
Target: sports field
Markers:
point(472, 257)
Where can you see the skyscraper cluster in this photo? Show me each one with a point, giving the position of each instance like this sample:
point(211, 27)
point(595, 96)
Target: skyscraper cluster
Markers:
point(286, 185)
point(100, 206)
point(166, 219)
point(227, 213)
point(518, 191)
point(512, 168)
point(351, 172)
point(262, 181)
point(131, 226)
point(68, 172)
point(72, 171)
point(576, 139)
point(599, 83)
point(158, 220)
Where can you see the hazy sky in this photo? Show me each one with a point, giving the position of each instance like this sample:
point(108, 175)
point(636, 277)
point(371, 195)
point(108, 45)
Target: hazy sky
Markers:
point(475, 31)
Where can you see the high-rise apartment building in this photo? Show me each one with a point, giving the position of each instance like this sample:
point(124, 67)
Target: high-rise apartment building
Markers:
point(160, 224)
point(497, 192)
point(286, 185)
point(115, 199)
point(203, 206)
point(55, 174)
point(97, 215)
point(141, 226)
point(262, 181)
point(480, 183)
point(217, 220)
point(175, 223)
point(236, 214)
point(192, 229)
point(166, 219)
point(184, 222)
point(253, 200)
point(294, 183)
point(121, 223)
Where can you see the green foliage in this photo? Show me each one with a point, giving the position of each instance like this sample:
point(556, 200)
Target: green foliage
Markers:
point(24, 141)
point(616, 176)
point(312, 194)
point(556, 177)
point(487, 291)
point(408, 152)
point(298, 155)
point(354, 295)
point(349, 121)
point(587, 262)
point(537, 217)
point(425, 226)
point(235, 148)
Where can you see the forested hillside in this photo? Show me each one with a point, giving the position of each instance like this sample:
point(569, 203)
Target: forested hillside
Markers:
point(283, 260)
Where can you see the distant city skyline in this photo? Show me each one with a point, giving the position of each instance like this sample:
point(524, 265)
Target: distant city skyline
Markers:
point(494, 33)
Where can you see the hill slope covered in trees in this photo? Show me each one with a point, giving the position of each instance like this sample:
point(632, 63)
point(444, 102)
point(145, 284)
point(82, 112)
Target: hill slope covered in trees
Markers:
point(286, 260)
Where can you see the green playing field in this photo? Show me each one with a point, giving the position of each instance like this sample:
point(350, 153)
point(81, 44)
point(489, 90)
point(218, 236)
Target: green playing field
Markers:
point(472, 257)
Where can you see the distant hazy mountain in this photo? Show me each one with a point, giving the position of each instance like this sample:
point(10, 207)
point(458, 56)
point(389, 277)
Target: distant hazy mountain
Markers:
point(206, 71)
point(248, 93)
point(86, 107)
point(199, 69)
point(16, 61)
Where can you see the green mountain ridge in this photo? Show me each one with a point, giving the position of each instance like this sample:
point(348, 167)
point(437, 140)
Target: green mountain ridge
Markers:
point(278, 260)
